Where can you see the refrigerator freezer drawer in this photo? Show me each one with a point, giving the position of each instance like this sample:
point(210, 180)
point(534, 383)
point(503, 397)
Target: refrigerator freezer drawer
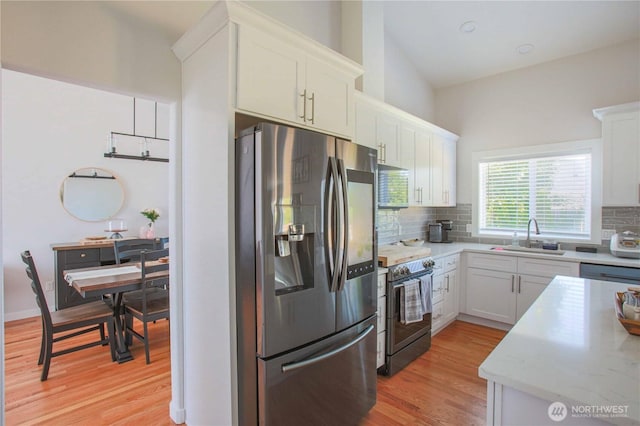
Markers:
point(331, 382)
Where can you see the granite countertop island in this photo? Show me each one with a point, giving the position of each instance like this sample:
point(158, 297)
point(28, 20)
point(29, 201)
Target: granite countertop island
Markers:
point(566, 361)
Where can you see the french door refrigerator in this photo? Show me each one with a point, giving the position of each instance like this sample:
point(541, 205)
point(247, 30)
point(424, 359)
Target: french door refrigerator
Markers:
point(306, 262)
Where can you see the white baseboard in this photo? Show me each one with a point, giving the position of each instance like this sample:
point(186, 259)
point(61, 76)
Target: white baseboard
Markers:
point(177, 414)
point(13, 316)
point(485, 322)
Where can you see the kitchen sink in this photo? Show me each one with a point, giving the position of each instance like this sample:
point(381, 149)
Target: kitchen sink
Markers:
point(529, 250)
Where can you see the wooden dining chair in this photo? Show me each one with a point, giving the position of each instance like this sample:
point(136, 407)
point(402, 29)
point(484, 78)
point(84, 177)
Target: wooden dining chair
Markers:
point(69, 322)
point(151, 306)
point(128, 250)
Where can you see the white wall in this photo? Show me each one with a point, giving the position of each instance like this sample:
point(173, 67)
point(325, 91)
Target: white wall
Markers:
point(551, 102)
point(319, 20)
point(49, 130)
point(88, 43)
point(404, 87)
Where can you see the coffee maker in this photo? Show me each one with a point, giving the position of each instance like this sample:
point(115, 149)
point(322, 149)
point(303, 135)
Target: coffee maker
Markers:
point(439, 231)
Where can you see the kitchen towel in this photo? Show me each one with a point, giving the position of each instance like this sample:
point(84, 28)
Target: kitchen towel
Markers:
point(425, 293)
point(410, 302)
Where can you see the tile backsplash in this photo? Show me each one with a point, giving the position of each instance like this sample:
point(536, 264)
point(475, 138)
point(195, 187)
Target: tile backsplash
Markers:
point(396, 225)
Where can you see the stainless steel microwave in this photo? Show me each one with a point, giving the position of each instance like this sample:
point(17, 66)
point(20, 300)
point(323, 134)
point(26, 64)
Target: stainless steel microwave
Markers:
point(393, 187)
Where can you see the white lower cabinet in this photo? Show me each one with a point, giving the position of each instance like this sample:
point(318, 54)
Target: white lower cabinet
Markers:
point(382, 318)
point(502, 288)
point(444, 292)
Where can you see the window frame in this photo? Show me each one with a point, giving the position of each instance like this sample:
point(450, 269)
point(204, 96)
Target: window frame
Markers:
point(593, 146)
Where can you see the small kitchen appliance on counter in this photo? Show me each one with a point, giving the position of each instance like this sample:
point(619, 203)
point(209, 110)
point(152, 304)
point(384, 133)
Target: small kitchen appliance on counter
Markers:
point(626, 244)
point(439, 231)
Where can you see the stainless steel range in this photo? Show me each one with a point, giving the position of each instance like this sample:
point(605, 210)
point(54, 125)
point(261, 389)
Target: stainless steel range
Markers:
point(406, 341)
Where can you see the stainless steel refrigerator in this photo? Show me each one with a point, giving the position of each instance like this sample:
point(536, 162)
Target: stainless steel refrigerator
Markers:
point(306, 261)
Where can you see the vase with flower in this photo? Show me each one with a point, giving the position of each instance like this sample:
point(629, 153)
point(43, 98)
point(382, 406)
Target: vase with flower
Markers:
point(152, 215)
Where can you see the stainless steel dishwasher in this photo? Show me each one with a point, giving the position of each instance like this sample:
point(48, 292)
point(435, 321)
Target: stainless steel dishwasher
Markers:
point(622, 274)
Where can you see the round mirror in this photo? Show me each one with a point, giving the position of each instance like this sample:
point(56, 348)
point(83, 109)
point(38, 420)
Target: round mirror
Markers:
point(91, 194)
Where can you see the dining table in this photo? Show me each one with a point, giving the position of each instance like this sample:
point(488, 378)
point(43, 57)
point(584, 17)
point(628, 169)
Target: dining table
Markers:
point(114, 280)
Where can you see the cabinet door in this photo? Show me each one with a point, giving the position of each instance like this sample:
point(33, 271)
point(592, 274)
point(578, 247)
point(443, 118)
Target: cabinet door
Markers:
point(621, 159)
point(491, 295)
point(443, 171)
point(382, 314)
point(437, 293)
point(450, 290)
point(380, 355)
point(407, 161)
point(328, 104)
point(365, 131)
point(382, 285)
point(449, 172)
point(387, 134)
point(437, 318)
point(528, 289)
point(422, 155)
point(437, 171)
point(270, 76)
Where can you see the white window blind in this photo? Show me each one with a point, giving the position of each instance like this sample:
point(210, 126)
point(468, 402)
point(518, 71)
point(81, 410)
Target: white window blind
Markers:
point(556, 190)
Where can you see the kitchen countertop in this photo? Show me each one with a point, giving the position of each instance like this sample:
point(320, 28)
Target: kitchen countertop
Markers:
point(570, 347)
point(438, 250)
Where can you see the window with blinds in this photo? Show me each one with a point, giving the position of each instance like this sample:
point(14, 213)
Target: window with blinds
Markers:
point(556, 190)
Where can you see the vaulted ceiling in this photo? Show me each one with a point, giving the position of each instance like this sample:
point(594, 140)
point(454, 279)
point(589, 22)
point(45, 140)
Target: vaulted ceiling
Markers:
point(452, 42)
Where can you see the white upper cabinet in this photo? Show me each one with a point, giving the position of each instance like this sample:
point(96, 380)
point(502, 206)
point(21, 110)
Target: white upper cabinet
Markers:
point(282, 80)
point(378, 128)
point(366, 115)
point(415, 148)
point(621, 154)
point(443, 171)
point(388, 144)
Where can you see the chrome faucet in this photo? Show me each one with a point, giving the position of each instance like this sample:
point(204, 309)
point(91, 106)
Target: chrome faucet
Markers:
point(528, 242)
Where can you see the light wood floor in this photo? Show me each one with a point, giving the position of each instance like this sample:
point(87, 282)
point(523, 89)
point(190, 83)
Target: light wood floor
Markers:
point(85, 387)
point(442, 386)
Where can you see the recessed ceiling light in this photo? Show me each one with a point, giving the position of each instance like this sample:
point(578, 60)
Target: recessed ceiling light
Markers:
point(468, 27)
point(525, 49)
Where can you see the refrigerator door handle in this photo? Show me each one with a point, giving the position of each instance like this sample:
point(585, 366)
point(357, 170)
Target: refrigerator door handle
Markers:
point(331, 246)
point(343, 215)
point(295, 365)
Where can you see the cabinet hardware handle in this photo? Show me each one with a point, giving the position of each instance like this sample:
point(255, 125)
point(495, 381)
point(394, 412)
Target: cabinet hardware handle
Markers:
point(380, 157)
point(384, 153)
point(513, 282)
point(83, 255)
point(447, 283)
point(303, 95)
point(313, 107)
point(519, 283)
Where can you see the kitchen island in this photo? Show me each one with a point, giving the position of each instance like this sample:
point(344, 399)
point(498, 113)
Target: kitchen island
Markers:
point(566, 361)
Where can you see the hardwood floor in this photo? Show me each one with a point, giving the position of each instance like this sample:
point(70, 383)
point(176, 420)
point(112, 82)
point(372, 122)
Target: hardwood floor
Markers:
point(85, 387)
point(441, 387)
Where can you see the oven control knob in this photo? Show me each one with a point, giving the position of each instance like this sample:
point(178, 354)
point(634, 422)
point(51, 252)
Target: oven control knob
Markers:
point(405, 270)
point(428, 263)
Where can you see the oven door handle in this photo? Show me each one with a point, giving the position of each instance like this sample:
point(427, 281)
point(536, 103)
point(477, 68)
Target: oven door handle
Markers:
point(407, 280)
point(295, 365)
